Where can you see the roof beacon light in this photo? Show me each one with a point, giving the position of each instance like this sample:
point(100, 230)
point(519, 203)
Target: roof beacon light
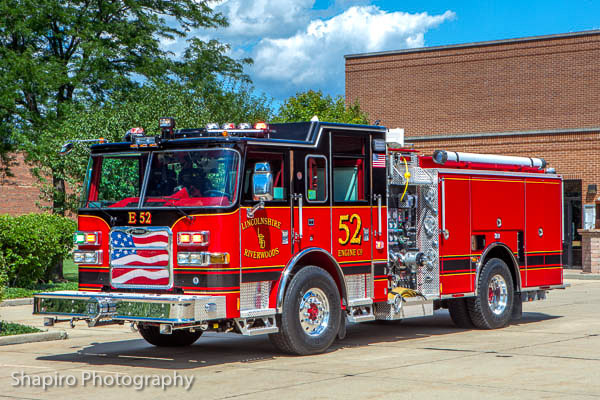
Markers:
point(167, 126)
point(261, 126)
point(244, 125)
point(212, 125)
point(228, 125)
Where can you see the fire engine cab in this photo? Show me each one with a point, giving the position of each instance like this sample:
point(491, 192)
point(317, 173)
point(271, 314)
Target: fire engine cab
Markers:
point(293, 229)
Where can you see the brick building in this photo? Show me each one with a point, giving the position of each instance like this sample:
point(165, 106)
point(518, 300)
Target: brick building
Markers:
point(19, 193)
point(535, 96)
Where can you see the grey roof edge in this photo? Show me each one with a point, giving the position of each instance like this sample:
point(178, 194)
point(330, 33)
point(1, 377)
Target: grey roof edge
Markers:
point(499, 134)
point(474, 44)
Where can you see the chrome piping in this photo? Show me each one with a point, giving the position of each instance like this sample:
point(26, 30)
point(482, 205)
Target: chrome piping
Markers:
point(285, 276)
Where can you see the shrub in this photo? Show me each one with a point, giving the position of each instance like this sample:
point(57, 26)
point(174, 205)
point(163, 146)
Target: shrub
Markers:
point(32, 245)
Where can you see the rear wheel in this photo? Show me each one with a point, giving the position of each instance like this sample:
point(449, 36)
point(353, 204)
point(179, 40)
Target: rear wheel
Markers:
point(179, 337)
point(493, 305)
point(311, 318)
point(460, 313)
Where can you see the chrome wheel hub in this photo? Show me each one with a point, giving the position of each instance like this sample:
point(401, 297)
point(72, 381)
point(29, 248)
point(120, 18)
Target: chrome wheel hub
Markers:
point(497, 294)
point(314, 312)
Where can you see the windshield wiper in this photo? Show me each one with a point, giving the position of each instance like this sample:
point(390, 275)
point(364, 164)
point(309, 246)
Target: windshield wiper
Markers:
point(112, 219)
point(188, 216)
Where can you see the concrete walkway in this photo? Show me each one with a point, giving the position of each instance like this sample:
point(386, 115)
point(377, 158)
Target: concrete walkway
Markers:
point(552, 353)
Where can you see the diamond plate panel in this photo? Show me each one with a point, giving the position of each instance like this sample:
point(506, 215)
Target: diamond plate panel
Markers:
point(428, 279)
point(357, 286)
point(254, 295)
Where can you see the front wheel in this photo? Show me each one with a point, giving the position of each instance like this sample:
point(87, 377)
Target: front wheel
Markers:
point(179, 337)
point(310, 320)
point(493, 305)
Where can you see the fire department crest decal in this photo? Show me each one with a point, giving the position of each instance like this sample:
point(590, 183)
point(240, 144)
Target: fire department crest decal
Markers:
point(262, 226)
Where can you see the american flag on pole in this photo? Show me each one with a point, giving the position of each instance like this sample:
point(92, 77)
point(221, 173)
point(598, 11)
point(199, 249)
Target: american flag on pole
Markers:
point(139, 259)
point(378, 160)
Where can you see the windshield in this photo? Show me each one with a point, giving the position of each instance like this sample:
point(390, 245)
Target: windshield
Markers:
point(197, 178)
point(114, 180)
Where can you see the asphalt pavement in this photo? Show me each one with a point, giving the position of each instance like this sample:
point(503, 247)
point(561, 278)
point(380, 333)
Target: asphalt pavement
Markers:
point(552, 353)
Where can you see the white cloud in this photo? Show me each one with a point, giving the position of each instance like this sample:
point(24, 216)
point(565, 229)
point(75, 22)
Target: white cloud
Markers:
point(253, 19)
point(312, 58)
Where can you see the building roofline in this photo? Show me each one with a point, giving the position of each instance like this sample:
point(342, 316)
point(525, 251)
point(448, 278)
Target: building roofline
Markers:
point(474, 44)
point(459, 136)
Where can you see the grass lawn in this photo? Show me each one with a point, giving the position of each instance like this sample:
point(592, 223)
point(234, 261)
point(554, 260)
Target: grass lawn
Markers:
point(8, 328)
point(70, 273)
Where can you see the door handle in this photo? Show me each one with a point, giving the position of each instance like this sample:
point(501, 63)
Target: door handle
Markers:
point(298, 196)
point(378, 198)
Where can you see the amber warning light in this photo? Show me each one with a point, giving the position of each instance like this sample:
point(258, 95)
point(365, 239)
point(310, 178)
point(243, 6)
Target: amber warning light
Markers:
point(193, 238)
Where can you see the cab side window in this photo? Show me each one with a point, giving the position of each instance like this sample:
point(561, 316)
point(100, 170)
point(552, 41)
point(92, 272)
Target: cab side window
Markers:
point(316, 178)
point(349, 178)
point(277, 163)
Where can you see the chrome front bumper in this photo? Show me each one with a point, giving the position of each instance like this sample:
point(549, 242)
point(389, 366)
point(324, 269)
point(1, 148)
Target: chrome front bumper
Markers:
point(136, 307)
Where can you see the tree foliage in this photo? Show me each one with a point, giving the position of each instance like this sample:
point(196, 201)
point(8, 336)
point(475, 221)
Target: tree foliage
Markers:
point(305, 105)
point(192, 106)
point(57, 55)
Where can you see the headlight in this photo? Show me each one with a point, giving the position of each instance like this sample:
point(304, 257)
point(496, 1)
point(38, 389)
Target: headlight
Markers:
point(202, 258)
point(87, 257)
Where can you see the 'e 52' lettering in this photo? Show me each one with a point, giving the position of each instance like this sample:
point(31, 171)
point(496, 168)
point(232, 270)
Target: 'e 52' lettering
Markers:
point(145, 217)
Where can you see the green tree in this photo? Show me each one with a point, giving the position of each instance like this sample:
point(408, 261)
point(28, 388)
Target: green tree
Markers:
point(305, 105)
point(191, 105)
point(57, 54)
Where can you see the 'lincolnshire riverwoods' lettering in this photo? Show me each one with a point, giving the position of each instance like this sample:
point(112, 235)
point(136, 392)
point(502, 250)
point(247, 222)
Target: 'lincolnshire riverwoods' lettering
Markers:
point(256, 222)
point(261, 221)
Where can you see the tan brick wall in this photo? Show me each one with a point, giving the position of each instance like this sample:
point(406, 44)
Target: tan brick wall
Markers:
point(18, 194)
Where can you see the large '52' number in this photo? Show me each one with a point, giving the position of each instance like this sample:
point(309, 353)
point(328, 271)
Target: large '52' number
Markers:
point(343, 226)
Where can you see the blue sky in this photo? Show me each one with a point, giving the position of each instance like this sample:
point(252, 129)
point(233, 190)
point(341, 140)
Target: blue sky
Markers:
point(299, 44)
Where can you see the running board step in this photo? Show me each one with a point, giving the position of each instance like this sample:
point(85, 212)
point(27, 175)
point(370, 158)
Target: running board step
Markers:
point(361, 313)
point(260, 325)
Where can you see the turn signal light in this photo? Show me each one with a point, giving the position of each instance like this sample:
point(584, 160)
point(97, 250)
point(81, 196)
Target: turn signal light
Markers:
point(87, 238)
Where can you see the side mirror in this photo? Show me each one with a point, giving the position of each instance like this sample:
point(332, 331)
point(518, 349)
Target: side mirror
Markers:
point(66, 148)
point(262, 182)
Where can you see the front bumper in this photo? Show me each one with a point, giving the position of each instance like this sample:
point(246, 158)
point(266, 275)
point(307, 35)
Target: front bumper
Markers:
point(137, 307)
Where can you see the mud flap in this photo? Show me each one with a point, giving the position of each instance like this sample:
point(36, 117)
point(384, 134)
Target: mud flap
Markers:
point(517, 312)
point(342, 331)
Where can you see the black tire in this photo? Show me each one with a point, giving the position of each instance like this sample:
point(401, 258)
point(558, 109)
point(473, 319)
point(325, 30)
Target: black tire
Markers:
point(179, 337)
point(292, 337)
point(479, 307)
point(459, 313)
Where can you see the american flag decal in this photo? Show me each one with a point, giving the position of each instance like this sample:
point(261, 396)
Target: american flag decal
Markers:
point(139, 260)
point(378, 160)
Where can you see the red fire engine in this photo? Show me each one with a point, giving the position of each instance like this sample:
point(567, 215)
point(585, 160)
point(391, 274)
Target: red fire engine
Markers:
point(293, 229)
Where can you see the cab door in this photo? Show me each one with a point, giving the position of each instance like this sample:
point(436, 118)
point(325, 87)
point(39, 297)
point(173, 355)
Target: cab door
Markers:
point(312, 213)
point(266, 235)
point(351, 211)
